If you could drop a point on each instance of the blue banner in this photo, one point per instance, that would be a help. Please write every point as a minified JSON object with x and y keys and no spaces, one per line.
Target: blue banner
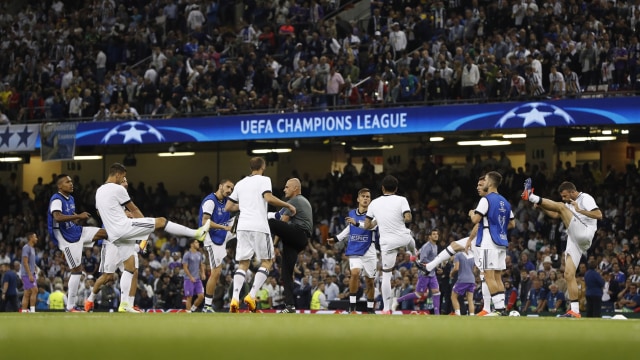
{"x":397,"y":120}
{"x":15,"y":138}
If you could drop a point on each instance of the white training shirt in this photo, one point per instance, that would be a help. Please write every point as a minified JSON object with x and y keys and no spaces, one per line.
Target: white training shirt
{"x":248,"y":194}
{"x":585,"y":202}
{"x":110,"y":198}
{"x":388,"y":211}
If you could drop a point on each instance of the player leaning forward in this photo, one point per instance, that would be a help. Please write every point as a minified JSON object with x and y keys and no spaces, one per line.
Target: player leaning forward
{"x":123,"y":232}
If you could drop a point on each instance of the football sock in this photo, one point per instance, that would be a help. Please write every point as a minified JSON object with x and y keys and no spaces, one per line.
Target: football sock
{"x":74,"y":285}
{"x":238,"y":281}
{"x":208,"y":300}
{"x":352,"y":302}
{"x":91,"y":297}
{"x":409,"y":296}
{"x":386,"y":290}
{"x":258,"y":281}
{"x":443,"y":256}
{"x":575,"y":306}
{"x":125,"y":286}
{"x":436,"y":303}
{"x":486,"y":295}
{"x":32,"y":309}
{"x":534,"y":198}
{"x":370,"y":304}
{"x":498,"y":300}
{"x":177,"y":229}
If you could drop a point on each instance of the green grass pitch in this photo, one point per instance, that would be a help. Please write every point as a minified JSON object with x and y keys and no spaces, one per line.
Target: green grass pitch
{"x":180,"y":336}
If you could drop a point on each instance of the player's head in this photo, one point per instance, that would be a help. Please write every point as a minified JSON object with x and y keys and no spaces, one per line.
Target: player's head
{"x":364,"y":197}
{"x":292,"y":188}
{"x":482,"y":186}
{"x":117,"y":172}
{"x":257,"y":163}
{"x":493,"y":179}
{"x":64,"y":183}
{"x":434,"y":235}
{"x":225,"y":187}
{"x":568,"y":191}
{"x":390,"y":183}
{"x":195,"y":244}
{"x":32,"y":238}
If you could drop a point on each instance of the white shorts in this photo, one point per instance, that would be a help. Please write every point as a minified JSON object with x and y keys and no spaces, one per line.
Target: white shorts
{"x":579,"y":238}
{"x":368,"y":262}
{"x":140,"y":230}
{"x":397,"y":242}
{"x":113,"y":256}
{"x":490,"y":259}
{"x":216,"y":253}
{"x":254,"y":242}
{"x":73,"y":251}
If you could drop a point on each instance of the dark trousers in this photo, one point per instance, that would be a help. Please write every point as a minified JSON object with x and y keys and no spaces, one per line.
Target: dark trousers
{"x":594,"y":306}
{"x":294,"y":240}
{"x":10,"y":304}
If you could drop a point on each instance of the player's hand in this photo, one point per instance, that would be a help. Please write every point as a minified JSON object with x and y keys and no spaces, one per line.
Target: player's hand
{"x":467,"y":247}
{"x":471,"y":212}
{"x":350,"y":220}
{"x":31,"y":278}
{"x":192,"y":279}
{"x":575,"y":205}
{"x":84,"y":216}
{"x":331,"y":241}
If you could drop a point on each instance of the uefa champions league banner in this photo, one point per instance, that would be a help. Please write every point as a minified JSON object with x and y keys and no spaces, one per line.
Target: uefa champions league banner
{"x":397,"y":120}
{"x":58,"y":141}
{"x":15,"y":138}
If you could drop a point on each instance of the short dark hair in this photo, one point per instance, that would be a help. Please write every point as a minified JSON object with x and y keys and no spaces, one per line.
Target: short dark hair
{"x":495,"y":178}
{"x":256,"y":163}
{"x":363,"y":190}
{"x":390,"y":183}
{"x":567,"y":185}
{"x":60,"y":177}
{"x":117,"y":168}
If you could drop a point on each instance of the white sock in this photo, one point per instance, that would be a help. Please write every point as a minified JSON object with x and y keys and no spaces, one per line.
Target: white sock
{"x":534,"y":198}
{"x":575,"y":307}
{"x":91,"y":297}
{"x":370,"y":304}
{"x":238,"y":281}
{"x":443,"y":256}
{"x":32,"y":309}
{"x":498,"y":301}
{"x":352,"y":299}
{"x":74,"y":285}
{"x":258,"y":280}
{"x":386,"y":290}
{"x":486,"y":296}
{"x":193,"y":308}
{"x":177,"y":229}
{"x":458,"y":312}
{"x":132,"y":299}
{"x":208,"y":300}
{"x":125,"y":286}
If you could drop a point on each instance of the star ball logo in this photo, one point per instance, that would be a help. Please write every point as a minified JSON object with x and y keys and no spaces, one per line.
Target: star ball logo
{"x":133,"y":132}
{"x":535,"y":114}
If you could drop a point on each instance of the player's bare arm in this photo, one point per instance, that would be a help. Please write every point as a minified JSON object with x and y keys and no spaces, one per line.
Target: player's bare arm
{"x":231,"y":206}
{"x":214,"y":225}
{"x":472,"y":236}
{"x":60,"y":217}
{"x":272,"y":200}
{"x":134,"y":210}
{"x":594,"y":214}
{"x":185,"y":266}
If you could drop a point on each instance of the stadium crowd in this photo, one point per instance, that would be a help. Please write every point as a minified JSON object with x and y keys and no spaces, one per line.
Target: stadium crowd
{"x":440,"y":198}
{"x":116,"y":60}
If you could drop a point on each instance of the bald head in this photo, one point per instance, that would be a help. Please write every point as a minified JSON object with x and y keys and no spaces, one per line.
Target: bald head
{"x":292,"y":188}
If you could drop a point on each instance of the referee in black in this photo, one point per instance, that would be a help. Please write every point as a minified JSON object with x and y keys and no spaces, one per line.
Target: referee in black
{"x":294,"y":232}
